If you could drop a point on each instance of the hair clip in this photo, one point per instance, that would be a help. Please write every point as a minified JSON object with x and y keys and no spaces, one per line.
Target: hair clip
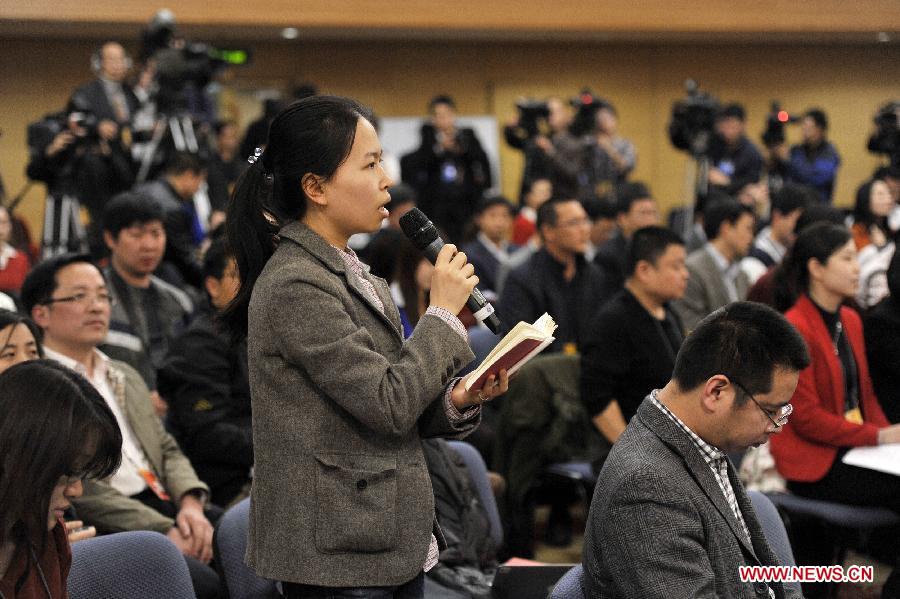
{"x":256,"y":154}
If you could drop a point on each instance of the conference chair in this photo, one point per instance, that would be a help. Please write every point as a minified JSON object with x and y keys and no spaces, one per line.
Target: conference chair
{"x":570,"y":586}
{"x":137,"y":565}
{"x":773,"y":528}
{"x":229,"y":546}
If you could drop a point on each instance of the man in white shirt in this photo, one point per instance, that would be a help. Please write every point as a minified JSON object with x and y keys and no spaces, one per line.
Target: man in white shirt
{"x":155,"y":488}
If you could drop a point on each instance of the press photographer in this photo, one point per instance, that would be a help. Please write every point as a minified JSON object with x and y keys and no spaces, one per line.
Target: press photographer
{"x":814,"y":161}
{"x":541,"y":132}
{"x":886,"y":139}
{"x":608,"y":157}
{"x":734,"y":161}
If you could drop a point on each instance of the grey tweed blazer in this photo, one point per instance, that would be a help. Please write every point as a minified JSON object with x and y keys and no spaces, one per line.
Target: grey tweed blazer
{"x":341,"y":495}
{"x":706,"y":291}
{"x":660,"y":527}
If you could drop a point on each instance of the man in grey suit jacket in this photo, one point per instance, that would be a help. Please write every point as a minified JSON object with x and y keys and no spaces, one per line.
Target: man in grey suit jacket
{"x":669,"y":517}
{"x":716,"y":276}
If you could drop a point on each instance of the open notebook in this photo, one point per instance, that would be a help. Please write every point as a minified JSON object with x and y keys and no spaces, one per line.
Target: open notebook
{"x":522,"y":343}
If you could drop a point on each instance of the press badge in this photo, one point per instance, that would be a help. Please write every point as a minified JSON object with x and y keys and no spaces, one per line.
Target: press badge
{"x":154,"y":484}
{"x":854,"y":416}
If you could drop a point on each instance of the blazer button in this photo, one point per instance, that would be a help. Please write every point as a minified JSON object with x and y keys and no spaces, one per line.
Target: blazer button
{"x":361,"y":484}
{"x":761,"y":589}
{"x":449,"y":371}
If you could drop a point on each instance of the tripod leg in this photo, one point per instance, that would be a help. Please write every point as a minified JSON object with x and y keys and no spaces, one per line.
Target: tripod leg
{"x":48,"y":235}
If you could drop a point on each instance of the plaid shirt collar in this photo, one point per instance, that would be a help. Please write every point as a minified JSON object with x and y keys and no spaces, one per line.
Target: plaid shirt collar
{"x":710,"y":453}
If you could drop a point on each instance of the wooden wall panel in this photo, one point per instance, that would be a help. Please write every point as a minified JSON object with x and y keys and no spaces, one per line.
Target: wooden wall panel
{"x":398,"y":78}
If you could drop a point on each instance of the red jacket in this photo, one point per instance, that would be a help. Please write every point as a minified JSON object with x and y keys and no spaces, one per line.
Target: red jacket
{"x":805,"y":450}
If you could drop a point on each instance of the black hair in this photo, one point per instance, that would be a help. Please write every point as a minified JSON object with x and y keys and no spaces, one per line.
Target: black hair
{"x":223,"y":124}
{"x":599,"y":208}
{"x":312,"y":136}
{"x":8,"y":317}
{"x":546,"y":213}
{"x":818,"y":241}
{"x":181,"y":162}
{"x":734,"y":110}
{"x":216,"y":259}
{"x":128,"y":209}
{"x":722,"y":211}
{"x":401,"y":193}
{"x":41,"y":281}
{"x":745,"y":341}
{"x":862,"y":209}
{"x":791,"y":196}
{"x":490,"y":201}
{"x":50,"y":416}
{"x":818,"y":212}
{"x":304,"y":90}
{"x":818,"y":116}
{"x":648,"y":244}
{"x":629,"y":193}
{"x":893,"y":277}
{"x":441,"y":99}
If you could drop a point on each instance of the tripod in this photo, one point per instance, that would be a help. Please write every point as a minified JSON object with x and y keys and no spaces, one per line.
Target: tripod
{"x":62,"y":231}
{"x":181,"y":129}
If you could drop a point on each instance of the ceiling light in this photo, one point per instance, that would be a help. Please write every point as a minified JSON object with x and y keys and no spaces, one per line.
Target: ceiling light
{"x":883,"y":36}
{"x":290,"y":33}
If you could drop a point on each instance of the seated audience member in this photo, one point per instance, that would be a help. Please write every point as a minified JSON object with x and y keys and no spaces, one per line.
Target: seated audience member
{"x":525,"y":225}
{"x":155,"y":488}
{"x":602,"y":213}
{"x":490,"y":251}
{"x":14,"y":264}
{"x":20,"y":339}
{"x":773,"y":241}
{"x":882,"y":332}
{"x":763,"y":291}
{"x":632,"y":342}
{"x":147,"y":313}
{"x":835,"y":404}
{"x":635,"y":209}
{"x":204,"y":377}
{"x":55,"y":431}
{"x":556,"y":279}
{"x":669,"y":516}
{"x":174,"y":191}
{"x":873,"y":237}
{"x":716,"y":275}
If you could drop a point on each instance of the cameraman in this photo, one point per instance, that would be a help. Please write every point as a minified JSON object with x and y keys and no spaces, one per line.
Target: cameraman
{"x":449,"y":171}
{"x":608,"y":156}
{"x":734,"y":161}
{"x":815,"y":161}
{"x":557,"y":157}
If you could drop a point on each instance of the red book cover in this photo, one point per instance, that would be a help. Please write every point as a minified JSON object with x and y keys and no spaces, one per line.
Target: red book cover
{"x":508,"y":360}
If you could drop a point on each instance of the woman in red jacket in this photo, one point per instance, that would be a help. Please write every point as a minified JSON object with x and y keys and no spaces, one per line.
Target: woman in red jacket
{"x":835,"y":407}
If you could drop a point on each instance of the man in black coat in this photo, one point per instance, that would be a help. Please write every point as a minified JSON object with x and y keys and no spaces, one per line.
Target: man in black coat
{"x":632,"y":342}
{"x":635,"y":208}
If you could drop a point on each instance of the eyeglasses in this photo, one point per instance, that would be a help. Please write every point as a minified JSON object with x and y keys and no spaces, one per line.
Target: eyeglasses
{"x":575,"y":222}
{"x":781,"y":417}
{"x":83,"y":299}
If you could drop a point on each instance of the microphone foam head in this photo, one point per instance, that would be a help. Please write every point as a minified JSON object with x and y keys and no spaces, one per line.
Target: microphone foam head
{"x":418,"y":228}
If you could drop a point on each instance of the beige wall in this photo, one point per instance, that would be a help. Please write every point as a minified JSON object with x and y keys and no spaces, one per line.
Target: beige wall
{"x":397,"y":78}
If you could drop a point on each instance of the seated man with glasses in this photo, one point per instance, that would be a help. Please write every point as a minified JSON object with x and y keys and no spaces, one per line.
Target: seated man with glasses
{"x":557,"y":279}
{"x":669,"y":516}
{"x":155,"y":488}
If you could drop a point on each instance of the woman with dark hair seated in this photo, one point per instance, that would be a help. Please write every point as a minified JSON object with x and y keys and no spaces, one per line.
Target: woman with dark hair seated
{"x":20,"y":339}
{"x":55,"y":430}
{"x":835,"y":407}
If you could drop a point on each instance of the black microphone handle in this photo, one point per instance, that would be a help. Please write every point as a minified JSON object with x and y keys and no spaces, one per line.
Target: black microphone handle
{"x":479,"y":306}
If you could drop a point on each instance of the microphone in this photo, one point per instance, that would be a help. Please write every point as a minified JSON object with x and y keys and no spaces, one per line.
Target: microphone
{"x":425,"y":236}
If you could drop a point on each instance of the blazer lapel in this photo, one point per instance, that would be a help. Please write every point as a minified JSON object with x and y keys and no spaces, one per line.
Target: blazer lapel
{"x":675,"y":438}
{"x":719,"y":295}
{"x":355,"y":283}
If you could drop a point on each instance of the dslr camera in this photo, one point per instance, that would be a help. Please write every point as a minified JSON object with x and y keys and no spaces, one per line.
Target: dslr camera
{"x":692,"y":126}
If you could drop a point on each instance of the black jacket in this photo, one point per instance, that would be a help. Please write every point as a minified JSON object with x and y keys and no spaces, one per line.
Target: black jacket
{"x":882,"y":330}
{"x":538,"y":286}
{"x":610,"y":258}
{"x":205,"y":380}
{"x":92,"y":97}
{"x":743,"y":163}
{"x":627,"y":353}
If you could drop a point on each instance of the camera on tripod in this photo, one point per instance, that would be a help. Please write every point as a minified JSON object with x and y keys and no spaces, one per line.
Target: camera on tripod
{"x":774,"y":134}
{"x":693,"y":122}
{"x":586,"y":106}
{"x":886,"y":139}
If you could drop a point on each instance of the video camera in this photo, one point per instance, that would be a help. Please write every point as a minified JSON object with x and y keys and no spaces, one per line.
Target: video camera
{"x":693,"y":121}
{"x":586,"y":105}
{"x":531,"y":113}
{"x":82,"y":123}
{"x":886,"y":139}
{"x":775,"y":122}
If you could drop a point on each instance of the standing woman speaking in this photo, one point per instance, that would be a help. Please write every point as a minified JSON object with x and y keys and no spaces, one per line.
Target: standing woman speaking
{"x":342,"y":504}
